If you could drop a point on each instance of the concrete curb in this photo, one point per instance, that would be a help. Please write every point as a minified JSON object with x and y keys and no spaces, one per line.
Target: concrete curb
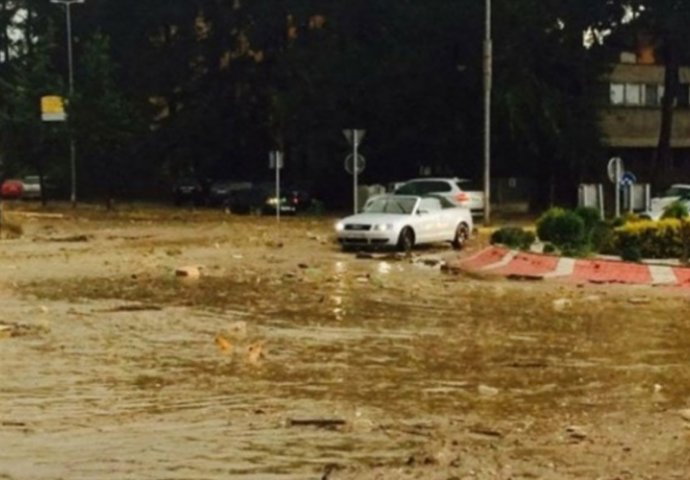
{"x":515,"y":264}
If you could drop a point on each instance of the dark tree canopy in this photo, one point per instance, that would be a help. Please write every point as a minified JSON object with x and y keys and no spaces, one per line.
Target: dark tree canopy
{"x":171,"y":87}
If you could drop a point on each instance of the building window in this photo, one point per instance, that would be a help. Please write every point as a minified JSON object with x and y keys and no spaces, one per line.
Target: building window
{"x":633,"y":94}
{"x":684,"y":95}
{"x":617,"y":94}
{"x":652,"y":97}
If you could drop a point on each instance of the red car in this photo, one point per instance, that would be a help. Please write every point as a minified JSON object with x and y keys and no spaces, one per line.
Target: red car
{"x":11,"y":189}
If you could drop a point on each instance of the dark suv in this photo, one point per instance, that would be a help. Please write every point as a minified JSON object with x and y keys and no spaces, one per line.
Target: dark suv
{"x":190,"y":190}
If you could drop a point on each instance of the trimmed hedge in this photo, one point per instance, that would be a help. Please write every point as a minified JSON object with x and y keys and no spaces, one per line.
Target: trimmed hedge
{"x":667,"y":238}
{"x":564,"y":229}
{"x":675,"y":210}
{"x":513,"y":237}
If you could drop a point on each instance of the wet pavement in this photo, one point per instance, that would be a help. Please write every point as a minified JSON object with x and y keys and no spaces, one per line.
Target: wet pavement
{"x":298,"y":361}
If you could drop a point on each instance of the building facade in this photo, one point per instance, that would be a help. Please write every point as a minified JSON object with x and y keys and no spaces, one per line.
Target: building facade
{"x":631,"y":120}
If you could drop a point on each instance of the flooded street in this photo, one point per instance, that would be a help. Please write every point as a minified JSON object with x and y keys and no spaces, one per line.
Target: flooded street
{"x":288,"y":359}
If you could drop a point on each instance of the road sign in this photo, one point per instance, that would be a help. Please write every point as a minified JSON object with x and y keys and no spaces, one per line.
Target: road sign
{"x":53,"y":109}
{"x":350,"y":135}
{"x":628,"y":178}
{"x":275,"y":158}
{"x":350,"y":164}
{"x":615,"y":169}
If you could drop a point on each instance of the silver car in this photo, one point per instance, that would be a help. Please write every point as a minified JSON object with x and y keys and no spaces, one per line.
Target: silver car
{"x":404,"y":221}
{"x":679,"y":192}
{"x":459,"y":191}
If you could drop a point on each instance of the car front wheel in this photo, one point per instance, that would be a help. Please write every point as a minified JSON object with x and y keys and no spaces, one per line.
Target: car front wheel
{"x":462,"y":234}
{"x":406,"y":240}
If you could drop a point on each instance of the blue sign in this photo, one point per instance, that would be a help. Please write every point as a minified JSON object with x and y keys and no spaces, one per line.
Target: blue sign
{"x":628,"y":178}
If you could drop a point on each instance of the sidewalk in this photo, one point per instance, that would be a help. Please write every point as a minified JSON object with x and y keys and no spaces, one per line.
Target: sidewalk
{"x":515,"y":264}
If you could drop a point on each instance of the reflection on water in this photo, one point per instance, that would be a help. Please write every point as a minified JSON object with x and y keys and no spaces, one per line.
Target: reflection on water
{"x":148,"y":394}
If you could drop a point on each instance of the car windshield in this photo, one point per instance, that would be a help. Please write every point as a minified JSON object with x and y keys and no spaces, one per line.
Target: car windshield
{"x":395,"y":205}
{"x":423,"y":187}
{"x":677,"y":191}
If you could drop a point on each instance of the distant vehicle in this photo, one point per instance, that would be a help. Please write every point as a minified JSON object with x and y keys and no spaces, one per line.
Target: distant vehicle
{"x":404,"y":221}
{"x":222,"y":192}
{"x":31,"y":187}
{"x":261,"y":198}
{"x":292,"y":201}
{"x":460,"y":191}
{"x":679,"y":192}
{"x":190,"y":190}
{"x":11,"y":189}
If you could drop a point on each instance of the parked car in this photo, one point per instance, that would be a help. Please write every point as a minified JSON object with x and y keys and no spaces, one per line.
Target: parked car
{"x":31,"y":187}
{"x":222,"y":191}
{"x":11,"y":189}
{"x":261,"y":198}
{"x":292,"y":201}
{"x":679,"y":192}
{"x":404,"y":221}
{"x":459,"y":191}
{"x":190,"y":190}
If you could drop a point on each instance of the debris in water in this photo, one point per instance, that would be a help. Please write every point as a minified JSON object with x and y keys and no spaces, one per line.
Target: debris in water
{"x":255,"y":352}
{"x":189,"y":272}
{"x":224,"y":345}
{"x":329,"y":423}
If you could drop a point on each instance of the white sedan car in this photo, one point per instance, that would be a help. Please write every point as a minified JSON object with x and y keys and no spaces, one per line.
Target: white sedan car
{"x":404,"y":221}
{"x":679,"y":192}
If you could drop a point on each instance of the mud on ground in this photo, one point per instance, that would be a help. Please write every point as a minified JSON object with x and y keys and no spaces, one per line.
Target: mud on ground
{"x":289,"y":359}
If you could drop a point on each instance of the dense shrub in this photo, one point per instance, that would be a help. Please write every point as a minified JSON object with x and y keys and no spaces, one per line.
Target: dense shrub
{"x":564,"y":229}
{"x":602,"y":238}
{"x":513,"y":237}
{"x":662,"y":239}
{"x":676,"y":210}
{"x":545,"y":223}
{"x":591,"y":216}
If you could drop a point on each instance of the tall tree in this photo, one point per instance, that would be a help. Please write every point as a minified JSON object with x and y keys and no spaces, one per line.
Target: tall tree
{"x":104,"y":123}
{"x":27,"y":143}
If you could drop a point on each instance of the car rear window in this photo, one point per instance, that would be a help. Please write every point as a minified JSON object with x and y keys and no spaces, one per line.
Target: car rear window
{"x":422,"y":188}
{"x":470,"y":185}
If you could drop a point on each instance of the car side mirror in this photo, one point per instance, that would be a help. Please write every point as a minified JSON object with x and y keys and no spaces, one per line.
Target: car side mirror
{"x":422,"y":212}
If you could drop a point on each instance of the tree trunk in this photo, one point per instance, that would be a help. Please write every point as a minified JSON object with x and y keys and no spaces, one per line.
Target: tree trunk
{"x":664,"y":154}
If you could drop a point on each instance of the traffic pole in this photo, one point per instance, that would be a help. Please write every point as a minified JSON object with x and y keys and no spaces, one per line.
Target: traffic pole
{"x":279,"y":161}
{"x":355,"y":170}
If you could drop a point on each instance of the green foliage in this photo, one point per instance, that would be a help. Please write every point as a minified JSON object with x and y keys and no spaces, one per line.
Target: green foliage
{"x":662,"y":239}
{"x":513,"y":237}
{"x":590,"y":216}
{"x":545,"y":223}
{"x":565,"y":230}
{"x":104,"y":122}
{"x":676,"y":210}
{"x":631,"y":253}
{"x":602,"y":238}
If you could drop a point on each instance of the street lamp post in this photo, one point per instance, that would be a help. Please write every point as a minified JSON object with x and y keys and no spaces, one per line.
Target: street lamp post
{"x":488,"y":74}
{"x":70,"y":68}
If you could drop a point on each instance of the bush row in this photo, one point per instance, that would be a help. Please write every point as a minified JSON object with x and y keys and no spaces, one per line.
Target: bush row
{"x":581,"y":232}
{"x":667,"y":238}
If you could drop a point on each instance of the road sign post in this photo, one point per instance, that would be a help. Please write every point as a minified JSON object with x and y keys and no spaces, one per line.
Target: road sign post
{"x":355,"y":136}
{"x":615,"y":172}
{"x":276,"y":163}
{"x":628,"y":180}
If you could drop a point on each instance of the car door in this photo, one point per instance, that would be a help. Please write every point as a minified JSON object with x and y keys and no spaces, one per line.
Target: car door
{"x":430,"y":220}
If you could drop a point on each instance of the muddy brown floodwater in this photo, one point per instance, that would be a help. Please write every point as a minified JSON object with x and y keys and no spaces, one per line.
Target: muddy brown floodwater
{"x":288,"y":359}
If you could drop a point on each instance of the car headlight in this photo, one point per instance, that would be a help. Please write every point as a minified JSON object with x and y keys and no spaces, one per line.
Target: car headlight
{"x":339,"y":227}
{"x":383,"y":227}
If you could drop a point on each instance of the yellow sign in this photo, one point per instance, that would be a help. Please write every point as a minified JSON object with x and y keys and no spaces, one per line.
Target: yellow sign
{"x":53,"y":109}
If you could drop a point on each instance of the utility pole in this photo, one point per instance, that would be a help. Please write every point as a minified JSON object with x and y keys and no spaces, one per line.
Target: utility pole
{"x":70,"y":67}
{"x":488,"y":74}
